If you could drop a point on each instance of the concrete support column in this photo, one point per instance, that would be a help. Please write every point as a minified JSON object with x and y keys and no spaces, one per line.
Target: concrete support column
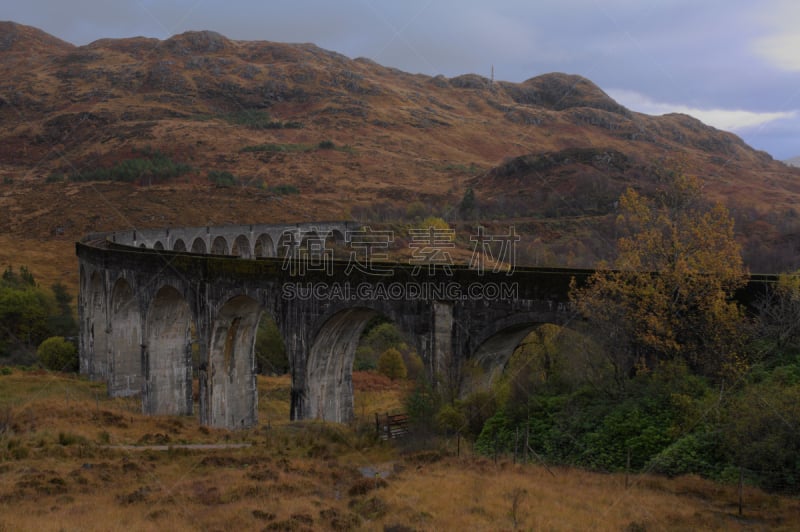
{"x":442,"y":343}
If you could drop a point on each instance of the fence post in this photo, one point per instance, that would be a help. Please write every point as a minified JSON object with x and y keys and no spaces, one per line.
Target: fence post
{"x":627,"y":467}
{"x":527,"y":438}
{"x":741,"y":489}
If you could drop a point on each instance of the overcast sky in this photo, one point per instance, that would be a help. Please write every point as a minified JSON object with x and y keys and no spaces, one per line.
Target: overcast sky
{"x":734,"y":64}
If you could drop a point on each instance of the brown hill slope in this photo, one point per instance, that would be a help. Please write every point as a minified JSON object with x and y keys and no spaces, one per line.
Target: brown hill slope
{"x":352,"y":137}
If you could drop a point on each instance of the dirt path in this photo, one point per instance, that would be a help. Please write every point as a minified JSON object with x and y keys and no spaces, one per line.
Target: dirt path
{"x":190,"y":446}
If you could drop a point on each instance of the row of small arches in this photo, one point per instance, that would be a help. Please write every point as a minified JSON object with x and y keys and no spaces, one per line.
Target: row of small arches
{"x":263,"y":246}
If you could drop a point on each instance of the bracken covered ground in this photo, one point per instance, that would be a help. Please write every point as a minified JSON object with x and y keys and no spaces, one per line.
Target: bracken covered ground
{"x":61,"y":469}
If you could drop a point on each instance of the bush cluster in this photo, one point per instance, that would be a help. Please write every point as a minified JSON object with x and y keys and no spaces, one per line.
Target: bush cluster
{"x":153,"y":167}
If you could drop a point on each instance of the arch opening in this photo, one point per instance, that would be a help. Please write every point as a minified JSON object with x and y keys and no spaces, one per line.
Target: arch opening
{"x":286,"y":244}
{"x":199,"y":245}
{"x":219,"y":246}
{"x":264,"y":246}
{"x":489,"y":360}
{"x":241,"y":247}
{"x":270,"y":349}
{"x":311,"y":239}
{"x":329,"y":391}
{"x":179,"y":245}
{"x":231,"y":390}
{"x":125,"y":377}
{"x":158,"y":245}
{"x":168,"y":352}
{"x":531,"y":355}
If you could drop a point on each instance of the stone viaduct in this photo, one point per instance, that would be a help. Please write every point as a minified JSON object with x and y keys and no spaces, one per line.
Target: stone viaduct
{"x":160,"y":307}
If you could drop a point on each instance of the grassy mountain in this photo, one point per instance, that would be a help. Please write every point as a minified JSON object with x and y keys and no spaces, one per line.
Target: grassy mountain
{"x":199,"y":128}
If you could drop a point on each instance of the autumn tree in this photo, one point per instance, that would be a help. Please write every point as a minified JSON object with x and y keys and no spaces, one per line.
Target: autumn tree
{"x":777,"y":328}
{"x":668,"y":293}
{"x":391,"y":364}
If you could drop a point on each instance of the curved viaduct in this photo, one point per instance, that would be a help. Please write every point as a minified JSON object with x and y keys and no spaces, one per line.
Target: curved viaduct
{"x":159,"y":307}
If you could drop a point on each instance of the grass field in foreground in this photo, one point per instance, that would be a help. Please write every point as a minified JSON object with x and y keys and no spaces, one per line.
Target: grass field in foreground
{"x":59,"y":470}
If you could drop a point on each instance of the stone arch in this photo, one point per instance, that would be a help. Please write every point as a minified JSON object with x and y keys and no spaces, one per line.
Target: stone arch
{"x":328,"y":387}
{"x":335,"y":241}
{"x":311,"y":238}
{"x":241,"y":247}
{"x":264,"y":246}
{"x":199,"y":245}
{"x":494,"y":347}
{"x":336,"y":235}
{"x":232,"y":396}
{"x":97,"y":328}
{"x":125,"y":359}
{"x":168,"y":355}
{"x":142,"y":245}
{"x":179,"y":245}
{"x":285,"y":243}
{"x":219,"y":246}
{"x":158,"y":245}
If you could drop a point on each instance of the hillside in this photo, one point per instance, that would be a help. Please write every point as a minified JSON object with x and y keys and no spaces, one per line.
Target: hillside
{"x":352,"y":138}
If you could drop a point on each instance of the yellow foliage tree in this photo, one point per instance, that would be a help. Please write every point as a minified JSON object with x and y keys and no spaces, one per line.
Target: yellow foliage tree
{"x":391,"y":364}
{"x":668,"y":294}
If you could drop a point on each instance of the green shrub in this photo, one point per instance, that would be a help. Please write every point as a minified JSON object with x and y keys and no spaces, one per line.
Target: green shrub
{"x":258,"y":119}
{"x":277,"y":148}
{"x":421,"y":404}
{"x":222,"y":178}
{"x":692,"y":453}
{"x":326,"y":145}
{"x":58,"y":354}
{"x":451,"y":419}
{"x":154,"y":167}
{"x":284,"y":190}
{"x":269,"y":350}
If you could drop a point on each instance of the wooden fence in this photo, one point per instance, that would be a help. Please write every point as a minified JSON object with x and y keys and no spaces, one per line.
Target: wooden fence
{"x":391,"y":426}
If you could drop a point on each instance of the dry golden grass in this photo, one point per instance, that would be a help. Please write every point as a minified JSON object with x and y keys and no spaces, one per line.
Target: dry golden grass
{"x":59,"y":470}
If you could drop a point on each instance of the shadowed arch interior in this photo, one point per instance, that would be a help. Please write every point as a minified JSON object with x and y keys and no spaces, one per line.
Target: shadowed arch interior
{"x":158,"y":245}
{"x":491,"y":357}
{"x":199,"y":245}
{"x":311,"y":239}
{"x":241,"y":247}
{"x":168,"y":370}
{"x":219,"y":246}
{"x":125,"y":342}
{"x":329,"y":372}
{"x":179,"y":245}
{"x":232,"y":392}
{"x":285,"y":244}
{"x":264,"y":246}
